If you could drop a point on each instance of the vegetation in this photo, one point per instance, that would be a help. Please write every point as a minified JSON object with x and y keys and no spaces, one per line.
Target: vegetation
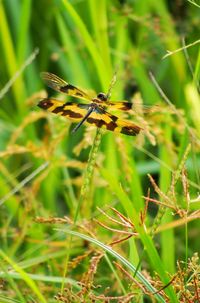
{"x":97,"y":216}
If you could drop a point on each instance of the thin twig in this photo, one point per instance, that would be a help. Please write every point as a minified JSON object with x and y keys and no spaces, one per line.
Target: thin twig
{"x":166,"y":99}
{"x":24,"y":182}
{"x":169,"y":53}
{"x":28,"y":61}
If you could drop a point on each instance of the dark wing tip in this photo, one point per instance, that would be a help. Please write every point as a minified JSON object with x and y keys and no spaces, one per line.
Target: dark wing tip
{"x":45,"y":103}
{"x":131,"y":131}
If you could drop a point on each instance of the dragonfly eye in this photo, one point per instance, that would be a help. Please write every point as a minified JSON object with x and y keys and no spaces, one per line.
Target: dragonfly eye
{"x":102,"y":97}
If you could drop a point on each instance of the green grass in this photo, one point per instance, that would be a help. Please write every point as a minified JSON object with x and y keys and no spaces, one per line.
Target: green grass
{"x":70,"y":202}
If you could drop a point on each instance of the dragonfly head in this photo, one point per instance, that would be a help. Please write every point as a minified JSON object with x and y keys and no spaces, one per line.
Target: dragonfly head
{"x":102,"y":97}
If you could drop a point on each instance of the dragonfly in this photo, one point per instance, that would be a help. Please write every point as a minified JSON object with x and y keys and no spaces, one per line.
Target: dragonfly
{"x":95,"y":112}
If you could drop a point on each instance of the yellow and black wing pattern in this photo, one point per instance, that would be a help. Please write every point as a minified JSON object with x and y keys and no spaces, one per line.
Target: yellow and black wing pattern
{"x":99,"y":117}
{"x":128,"y":106}
{"x":62,"y":86}
{"x":92,"y":113}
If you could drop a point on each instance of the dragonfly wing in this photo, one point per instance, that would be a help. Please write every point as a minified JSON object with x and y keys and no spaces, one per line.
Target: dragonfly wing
{"x":120,"y":105}
{"x":103,"y":119}
{"x":72,"y":111}
{"x":127,"y":106}
{"x":62,"y":86}
{"x":99,"y":117}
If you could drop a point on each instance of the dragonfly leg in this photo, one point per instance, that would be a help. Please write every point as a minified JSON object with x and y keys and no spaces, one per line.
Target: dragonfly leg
{"x":90,"y":110}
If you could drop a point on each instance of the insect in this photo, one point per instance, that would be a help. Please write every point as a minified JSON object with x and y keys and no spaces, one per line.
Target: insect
{"x":94,"y":113}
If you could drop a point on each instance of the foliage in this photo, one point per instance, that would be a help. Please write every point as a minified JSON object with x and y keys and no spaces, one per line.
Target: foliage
{"x":97,"y":216}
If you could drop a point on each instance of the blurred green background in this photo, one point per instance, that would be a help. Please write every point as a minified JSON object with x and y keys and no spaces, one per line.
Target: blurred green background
{"x":46,"y":172}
